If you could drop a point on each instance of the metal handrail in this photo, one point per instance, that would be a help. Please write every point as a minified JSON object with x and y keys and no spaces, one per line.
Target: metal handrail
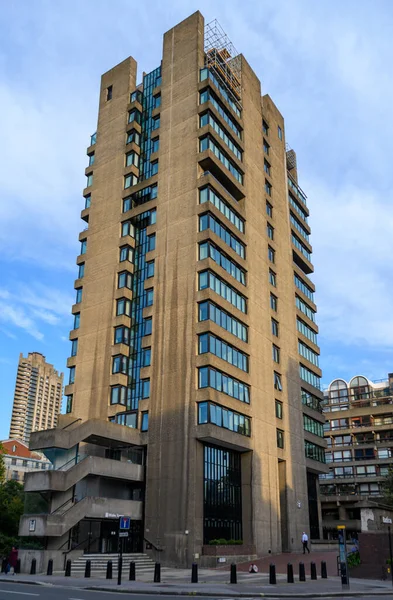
{"x":154,"y":546}
{"x":69,"y":424}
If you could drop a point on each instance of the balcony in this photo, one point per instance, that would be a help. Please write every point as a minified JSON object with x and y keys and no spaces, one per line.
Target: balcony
{"x":296,"y":190}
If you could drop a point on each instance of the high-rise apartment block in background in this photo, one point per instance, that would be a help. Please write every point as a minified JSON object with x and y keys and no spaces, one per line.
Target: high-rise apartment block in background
{"x":38,"y":396}
{"x":359,"y":435}
{"x":194,"y":346}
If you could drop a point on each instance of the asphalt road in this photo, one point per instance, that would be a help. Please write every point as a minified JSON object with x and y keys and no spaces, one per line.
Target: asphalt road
{"x":10,"y":591}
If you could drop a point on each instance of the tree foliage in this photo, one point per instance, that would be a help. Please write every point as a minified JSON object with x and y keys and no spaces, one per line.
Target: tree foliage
{"x":2,"y":463}
{"x":11,"y":507}
{"x":387,"y":488}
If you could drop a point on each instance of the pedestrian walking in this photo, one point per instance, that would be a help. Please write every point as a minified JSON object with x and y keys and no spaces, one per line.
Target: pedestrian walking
{"x":12,"y":560}
{"x":305,"y":543}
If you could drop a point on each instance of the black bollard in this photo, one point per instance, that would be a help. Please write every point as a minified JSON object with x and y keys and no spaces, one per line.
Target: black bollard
{"x":302,"y":572}
{"x":132,"y":572}
{"x":272,"y":574}
{"x":68,"y":569}
{"x":3,"y":565}
{"x":290,"y":573}
{"x":109,"y":569}
{"x":119,"y":569}
{"x":194,"y":573}
{"x":233,"y":578}
{"x":344,"y":575}
{"x":49,"y":570}
{"x":313,"y":571}
{"x":17,"y":568}
{"x":157,"y":573}
{"x":88,"y":568}
{"x":323,"y":570}
{"x":33,"y":567}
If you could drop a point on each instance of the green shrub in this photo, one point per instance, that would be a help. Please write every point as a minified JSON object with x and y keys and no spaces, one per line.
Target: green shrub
{"x":353,"y":559}
{"x":224,"y":542}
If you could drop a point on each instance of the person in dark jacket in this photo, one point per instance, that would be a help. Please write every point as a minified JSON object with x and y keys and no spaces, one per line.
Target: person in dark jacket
{"x":12,"y":560}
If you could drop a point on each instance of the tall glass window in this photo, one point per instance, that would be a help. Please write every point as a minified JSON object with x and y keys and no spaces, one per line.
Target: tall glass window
{"x":149,"y":103}
{"x":207,"y":194}
{"x":303,"y":287}
{"x":210,"y":250}
{"x":210,"y":311}
{"x":211,"y":343}
{"x":209,"y":377}
{"x":209,"y":221}
{"x":208,"y":143}
{"x":209,"y":412}
{"x":222,"y":494}
{"x":208,"y":119}
{"x":208,"y":279}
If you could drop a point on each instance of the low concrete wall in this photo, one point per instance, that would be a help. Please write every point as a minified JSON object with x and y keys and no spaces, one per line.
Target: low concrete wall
{"x":324,"y":546}
{"x":42,"y":557}
{"x":212,"y":562}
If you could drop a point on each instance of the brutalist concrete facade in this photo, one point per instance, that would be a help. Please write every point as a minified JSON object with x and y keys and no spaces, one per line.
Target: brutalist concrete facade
{"x":208,"y":216}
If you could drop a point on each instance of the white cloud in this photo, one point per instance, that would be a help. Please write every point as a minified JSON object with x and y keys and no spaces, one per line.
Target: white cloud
{"x":18,"y":318}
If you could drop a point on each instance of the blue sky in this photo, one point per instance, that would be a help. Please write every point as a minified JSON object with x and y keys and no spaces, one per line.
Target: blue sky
{"x":327,"y":66}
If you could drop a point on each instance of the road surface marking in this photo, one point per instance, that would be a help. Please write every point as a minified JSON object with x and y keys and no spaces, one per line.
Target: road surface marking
{"x":21,"y":593}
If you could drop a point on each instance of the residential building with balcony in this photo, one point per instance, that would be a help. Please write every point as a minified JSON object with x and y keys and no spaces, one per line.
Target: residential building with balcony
{"x":37,"y":398}
{"x":359,"y":436}
{"x":19,"y":460}
{"x":193,"y":398}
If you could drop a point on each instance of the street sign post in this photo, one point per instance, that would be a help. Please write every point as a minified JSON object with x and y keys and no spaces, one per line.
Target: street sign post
{"x":342,"y":549}
{"x":124,"y":527}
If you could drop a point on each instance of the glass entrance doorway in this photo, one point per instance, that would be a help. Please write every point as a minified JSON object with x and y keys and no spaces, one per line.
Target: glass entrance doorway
{"x":102,"y":536}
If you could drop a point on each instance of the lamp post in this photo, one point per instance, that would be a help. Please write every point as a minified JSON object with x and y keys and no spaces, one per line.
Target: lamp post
{"x":390,"y":553}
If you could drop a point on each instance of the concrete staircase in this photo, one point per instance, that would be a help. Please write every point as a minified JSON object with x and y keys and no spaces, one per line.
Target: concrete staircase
{"x":143,"y":564}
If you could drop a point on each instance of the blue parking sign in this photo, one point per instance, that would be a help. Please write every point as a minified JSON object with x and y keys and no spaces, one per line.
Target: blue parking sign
{"x":124,"y":523}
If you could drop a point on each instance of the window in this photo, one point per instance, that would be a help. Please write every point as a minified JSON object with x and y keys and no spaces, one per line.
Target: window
{"x":303,"y":287}
{"x":89,"y":180}
{"x":91,"y":159}
{"x":71,"y":378}
{"x":124,"y":280}
{"x":207,"y":143}
{"x":130,"y":180}
{"x":270,"y":231}
{"x":123,"y":307}
{"x":210,"y":311}
{"x":277,"y":381}
{"x":126,"y":253}
{"x":119,"y":364}
{"x":208,"y":119}
{"x":93,"y":139}
{"x":215,"y":345}
{"x":134,"y":115}
{"x":208,"y":279}
{"x":303,"y":232}
{"x":210,"y":250}
{"x":132,"y":158}
{"x":305,"y":309}
{"x":78,"y":298}
{"x":275,"y":327}
{"x":265,"y":127}
{"x":209,"y":377}
{"x":81,"y":270}
{"x":87,"y":200}
{"x":280,"y":438}
{"x":122,"y":335}
{"x":154,"y":167}
{"x":136,"y":96}
{"x":156,"y":122}
{"x":109,"y":91}
{"x":266,"y":147}
{"x":209,"y":221}
{"x":156,"y":101}
{"x":266,"y":167}
{"x":147,"y":326}
{"x":278,"y":409}
{"x":209,"y":412}
{"x":119,"y":394}
{"x":69,"y":403}
{"x":312,"y":401}
{"x":74,"y":347}
{"x":269,"y":209}
{"x":127,"y":228}
{"x":155,"y":144}
{"x":309,"y":376}
{"x":308,"y":353}
{"x":297,"y":207}
{"x":279,"y":131}
{"x":149,"y":297}
{"x":77,"y":319}
{"x":133,"y":137}
{"x":146,"y":357}
{"x":300,"y":246}
{"x":145,"y":388}
{"x":306,"y":331}
{"x":314,"y":427}
{"x":273,"y":302}
{"x":83,"y":246}
{"x":314,"y":452}
{"x":150,"y":269}
{"x":208,"y":95}
{"x":272,"y":278}
{"x":207,"y":194}
{"x":276,"y":353}
{"x":145,"y":421}
{"x":151,"y":242}
{"x":268,"y":188}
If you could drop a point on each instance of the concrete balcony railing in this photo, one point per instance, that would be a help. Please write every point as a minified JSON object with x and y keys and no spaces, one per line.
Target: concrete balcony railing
{"x":61,"y":480}
{"x":58,"y":523}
